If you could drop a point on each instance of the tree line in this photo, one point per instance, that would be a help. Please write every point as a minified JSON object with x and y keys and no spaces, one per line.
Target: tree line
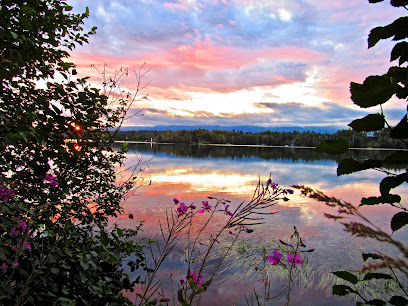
{"x":379,"y":139}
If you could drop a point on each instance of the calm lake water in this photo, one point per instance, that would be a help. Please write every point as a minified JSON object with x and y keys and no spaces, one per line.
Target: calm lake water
{"x":191,"y":173}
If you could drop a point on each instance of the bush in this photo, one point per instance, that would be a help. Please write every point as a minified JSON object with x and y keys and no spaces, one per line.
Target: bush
{"x":57,"y":182}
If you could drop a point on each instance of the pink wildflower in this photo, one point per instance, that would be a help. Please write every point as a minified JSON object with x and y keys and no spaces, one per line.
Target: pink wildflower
{"x":22,"y":225}
{"x":5,"y":193}
{"x":4,"y":267}
{"x":196,"y":280}
{"x":181,"y":210}
{"x":227,"y":211}
{"x":51,"y":179}
{"x":14,"y":232}
{"x":275,"y":259}
{"x":206,"y":207}
{"x":272,"y":184}
{"x":296,"y":260}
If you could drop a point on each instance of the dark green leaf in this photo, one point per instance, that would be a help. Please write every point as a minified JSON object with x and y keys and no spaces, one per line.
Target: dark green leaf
{"x":15,"y":35}
{"x":400,"y":131}
{"x":398,"y":74}
{"x":369,"y":276}
{"x":55,"y":270}
{"x":25,"y":23}
{"x":349,"y":165}
{"x":191,"y":282}
{"x":389,"y":198}
{"x":164,"y":300}
{"x":372,"y":122}
{"x":376,"y":89}
{"x":399,"y":220}
{"x":398,"y":301}
{"x":68,"y":8}
{"x":376,"y":302}
{"x":200,"y":290}
{"x":84,"y":265}
{"x":398,"y":3}
{"x":26,"y":10}
{"x":375,"y":1}
{"x":207,"y":282}
{"x":346,"y":166}
{"x":104,"y":239}
{"x":180,"y":295}
{"x":366,"y":256}
{"x":347,"y":276}
{"x":391,"y":182}
{"x":23,"y":135}
{"x":336,"y":146}
{"x":397,"y":158}
{"x":401,"y":92}
{"x":342,"y":290}
{"x":396,"y":29}
{"x":400,"y":50}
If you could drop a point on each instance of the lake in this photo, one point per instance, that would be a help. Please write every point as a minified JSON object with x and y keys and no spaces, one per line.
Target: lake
{"x":192,"y":173}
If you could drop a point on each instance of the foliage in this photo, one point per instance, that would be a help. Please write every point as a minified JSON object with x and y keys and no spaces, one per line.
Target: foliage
{"x":377,"y":90}
{"x":395,"y":269}
{"x":58,"y":180}
{"x":378,"y":139}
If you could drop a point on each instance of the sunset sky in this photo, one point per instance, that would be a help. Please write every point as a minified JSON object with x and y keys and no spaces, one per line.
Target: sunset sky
{"x":240,"y":62}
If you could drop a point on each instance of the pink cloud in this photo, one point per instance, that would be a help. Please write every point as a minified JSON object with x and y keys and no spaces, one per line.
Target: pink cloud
{"x":204,"y":55}
{"x":200,"y":67}
{"x":178,"y":6}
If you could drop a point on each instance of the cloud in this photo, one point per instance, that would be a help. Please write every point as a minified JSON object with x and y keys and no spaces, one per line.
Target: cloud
{"x":227,"y":46}
{"x":176,"y":5}
{"x":271,"y":115}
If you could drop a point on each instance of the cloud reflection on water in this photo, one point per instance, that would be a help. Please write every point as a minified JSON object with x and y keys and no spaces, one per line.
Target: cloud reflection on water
{"x":193,"y":179}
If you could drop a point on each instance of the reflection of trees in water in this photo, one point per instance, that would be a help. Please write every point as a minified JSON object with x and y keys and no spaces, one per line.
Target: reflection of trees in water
{"x":265,"y":153}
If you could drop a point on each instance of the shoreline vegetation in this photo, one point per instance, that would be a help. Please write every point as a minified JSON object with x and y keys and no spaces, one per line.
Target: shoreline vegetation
{"x":269,"y":139}
{"x":254,"y":146}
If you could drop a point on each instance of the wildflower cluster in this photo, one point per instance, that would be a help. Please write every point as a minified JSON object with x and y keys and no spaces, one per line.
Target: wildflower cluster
{"x":5,"y":193}
{"x":183,"y":208}
{"x":193,"y":280}
{"x":19,"y":235}
{"x":240,"y":220}
{"x":293,"y":260}
{"x":51,"y":180}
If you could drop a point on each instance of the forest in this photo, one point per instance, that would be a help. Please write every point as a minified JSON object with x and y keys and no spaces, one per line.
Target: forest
{"x":379,"y":139}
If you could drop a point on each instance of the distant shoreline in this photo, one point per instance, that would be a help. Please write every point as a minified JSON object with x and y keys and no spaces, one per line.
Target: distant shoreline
{"x":254,"y":146}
